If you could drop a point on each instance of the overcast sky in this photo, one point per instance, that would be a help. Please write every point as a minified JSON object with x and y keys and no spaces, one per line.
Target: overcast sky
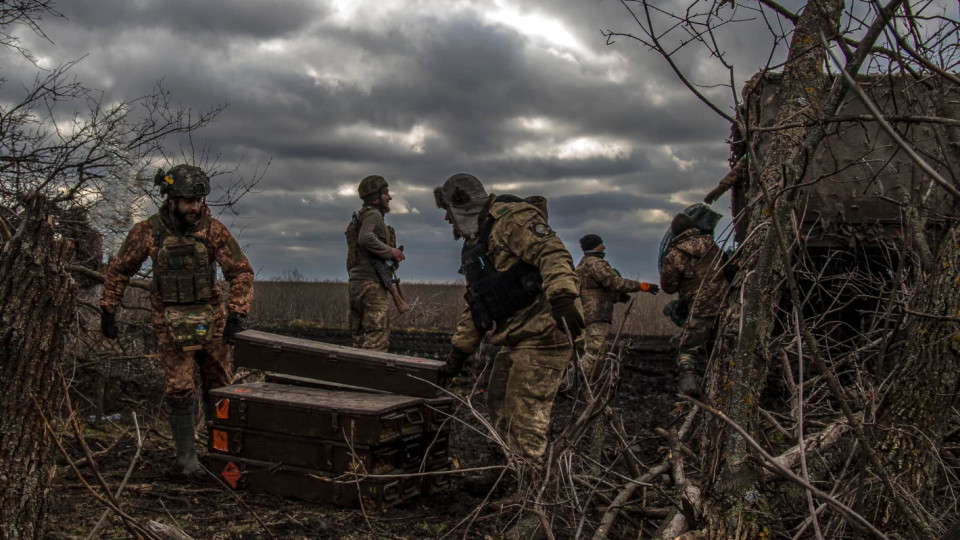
{"x":524,"y":94}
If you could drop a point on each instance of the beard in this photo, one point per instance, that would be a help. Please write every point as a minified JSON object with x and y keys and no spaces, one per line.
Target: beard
{"x":187,"y":220}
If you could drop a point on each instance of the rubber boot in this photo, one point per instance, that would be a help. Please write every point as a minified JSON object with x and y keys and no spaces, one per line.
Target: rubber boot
{"x":181,"y":412}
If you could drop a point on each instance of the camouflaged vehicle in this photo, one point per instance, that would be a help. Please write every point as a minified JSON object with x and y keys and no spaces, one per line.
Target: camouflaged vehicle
{"x":858,"y":175}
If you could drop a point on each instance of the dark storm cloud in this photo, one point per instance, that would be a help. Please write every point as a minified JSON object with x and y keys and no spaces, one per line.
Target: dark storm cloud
{"x":415,"y":95}
{"x":188,"y":19}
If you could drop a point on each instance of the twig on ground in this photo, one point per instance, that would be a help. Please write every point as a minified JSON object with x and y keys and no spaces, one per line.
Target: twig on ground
{"x":126,"y":477}
{"x":128,"y":522}
{"x":249,"y":510}
{"x":770,"y":461}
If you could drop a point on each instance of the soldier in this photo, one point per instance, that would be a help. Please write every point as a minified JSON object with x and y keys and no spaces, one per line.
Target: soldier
{"x":692,"y":267}
{"x":522,"y":289}
{"x":368,"y":237}
{"x":600,"y":288}
{"x":192,"y":322}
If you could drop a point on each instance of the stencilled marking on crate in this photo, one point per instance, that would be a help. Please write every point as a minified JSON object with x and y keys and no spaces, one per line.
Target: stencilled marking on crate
{"x":231,"y":474}
{"x":221,"y":441}
{"x":223,"y":409}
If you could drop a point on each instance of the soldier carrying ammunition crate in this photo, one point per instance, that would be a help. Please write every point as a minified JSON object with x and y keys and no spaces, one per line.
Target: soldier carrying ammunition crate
{"x":370,"y":241}
{"x":193,"y":323}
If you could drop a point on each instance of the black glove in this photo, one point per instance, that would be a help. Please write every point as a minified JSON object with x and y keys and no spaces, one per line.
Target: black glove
{"x":651,"y":288}
{"x":234,"y":325}
{"x":108,"y":324}
{"x":564,"y":308}
{"x":454,"y":364}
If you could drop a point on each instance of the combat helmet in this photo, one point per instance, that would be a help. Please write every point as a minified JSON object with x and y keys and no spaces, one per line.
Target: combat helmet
{"x":372,"y":185}
{"x":183,"y":181}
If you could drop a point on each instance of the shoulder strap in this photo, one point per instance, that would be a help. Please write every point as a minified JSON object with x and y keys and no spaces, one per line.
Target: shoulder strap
{"x":159,"y":231}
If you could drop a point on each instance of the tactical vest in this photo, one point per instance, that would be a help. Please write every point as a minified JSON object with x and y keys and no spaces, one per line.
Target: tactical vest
{"x":352,"y":233}
{"x":493,"y":295}
{"x":182,"y":272}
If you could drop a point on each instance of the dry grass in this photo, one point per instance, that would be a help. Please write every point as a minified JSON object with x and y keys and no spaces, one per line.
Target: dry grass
{"x":436,"y":306}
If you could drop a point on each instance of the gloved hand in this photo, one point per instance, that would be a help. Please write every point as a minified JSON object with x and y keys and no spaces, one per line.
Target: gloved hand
{"x":564,"y":308}
{"x":689,"y":384}
{"x":234,"y":325}
{"x":651,"y":288}
{"x":454,"y":364}
{"x":108,"y":324}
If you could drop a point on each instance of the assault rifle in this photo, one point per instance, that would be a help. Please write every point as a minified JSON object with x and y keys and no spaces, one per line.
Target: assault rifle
{"x":390,"y":282}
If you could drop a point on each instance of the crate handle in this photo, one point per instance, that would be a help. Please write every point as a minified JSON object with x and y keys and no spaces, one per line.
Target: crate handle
{"x":416,"y":413}
{"x":391,"y":491}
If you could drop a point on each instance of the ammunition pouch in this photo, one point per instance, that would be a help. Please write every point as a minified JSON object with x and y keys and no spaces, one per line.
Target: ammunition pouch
{"x":182,"y":272}
{"x":189,"y":325}
{"x":493,"y":295}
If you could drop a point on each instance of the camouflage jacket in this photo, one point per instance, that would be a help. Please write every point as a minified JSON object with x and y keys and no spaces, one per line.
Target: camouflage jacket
{"x":375,"y":239}
{"x":222,"y":248}
{"x":692,"y":268}
{"x":520,"y":233}
{"x":601,"y":287}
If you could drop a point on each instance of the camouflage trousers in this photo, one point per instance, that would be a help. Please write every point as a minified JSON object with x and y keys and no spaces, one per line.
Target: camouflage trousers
{"x":178,"y":365}
{"x":696,"y":340}
{"x":369,"y":315}
{"x":523,"y":385}
{"x":594,"y":339}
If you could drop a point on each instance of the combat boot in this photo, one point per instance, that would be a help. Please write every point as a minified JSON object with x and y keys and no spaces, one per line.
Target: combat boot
{"x":689,"y":383}
{"x":182,"y":412}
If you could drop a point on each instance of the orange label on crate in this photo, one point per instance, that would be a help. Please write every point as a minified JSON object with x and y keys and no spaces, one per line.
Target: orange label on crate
{"x":243,"y":390}
{"x":231,"y":473}
{"x":220,"y":441}
{"x":223,"y":409}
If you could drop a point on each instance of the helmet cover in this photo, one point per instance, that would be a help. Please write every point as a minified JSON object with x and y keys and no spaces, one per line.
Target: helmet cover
{"x":183,"y":181}
{"x":372,"y":185}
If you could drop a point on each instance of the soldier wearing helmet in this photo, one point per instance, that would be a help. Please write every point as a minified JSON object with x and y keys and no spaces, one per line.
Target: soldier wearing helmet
{"x":194,"y":323}
{"x":369,"y":237}
{"x":693,"y":268}
{"x":522,"y":291}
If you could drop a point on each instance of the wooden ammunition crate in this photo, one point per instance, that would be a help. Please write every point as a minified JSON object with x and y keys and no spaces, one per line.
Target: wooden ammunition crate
{"x":338,"y":415}
{"x":312,"y":485}
{"x":393,"y":373}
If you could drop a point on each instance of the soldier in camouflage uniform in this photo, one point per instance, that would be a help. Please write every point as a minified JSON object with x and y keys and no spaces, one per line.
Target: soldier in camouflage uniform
{"x":600,"y":288}
{"x":368,"y":237}
{"x":522,"y":290}
{"x":692,"y":267}
{"x":191,"y":319}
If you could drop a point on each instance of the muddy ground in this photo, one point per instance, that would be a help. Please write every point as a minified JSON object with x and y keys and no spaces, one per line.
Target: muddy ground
{"x":207,"y":509}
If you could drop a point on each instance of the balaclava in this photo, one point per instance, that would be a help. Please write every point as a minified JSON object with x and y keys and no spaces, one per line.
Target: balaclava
{"x":464,"y":197}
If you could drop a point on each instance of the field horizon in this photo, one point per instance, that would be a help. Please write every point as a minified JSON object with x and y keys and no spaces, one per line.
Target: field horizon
{"x":436,"y":306}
